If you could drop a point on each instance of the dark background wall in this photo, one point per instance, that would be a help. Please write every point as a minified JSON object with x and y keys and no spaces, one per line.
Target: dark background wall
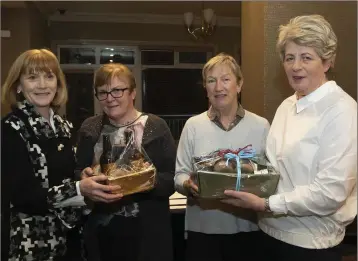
{"x":266,"y":84}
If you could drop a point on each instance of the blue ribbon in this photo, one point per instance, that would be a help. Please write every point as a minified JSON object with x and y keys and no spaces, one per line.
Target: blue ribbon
{"x":246,"y":153}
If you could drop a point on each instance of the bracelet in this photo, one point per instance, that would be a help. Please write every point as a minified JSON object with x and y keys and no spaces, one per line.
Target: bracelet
{"x":267,"y":205}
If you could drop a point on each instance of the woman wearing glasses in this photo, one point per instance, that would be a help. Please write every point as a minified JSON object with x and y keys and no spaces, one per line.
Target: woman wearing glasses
{"x":125,"y":230}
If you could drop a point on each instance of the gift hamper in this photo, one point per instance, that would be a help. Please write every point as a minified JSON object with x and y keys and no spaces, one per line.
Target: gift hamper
{"x":240,"y":170}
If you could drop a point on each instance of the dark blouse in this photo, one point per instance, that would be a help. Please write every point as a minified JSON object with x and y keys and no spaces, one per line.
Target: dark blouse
{"x":154,"y":218}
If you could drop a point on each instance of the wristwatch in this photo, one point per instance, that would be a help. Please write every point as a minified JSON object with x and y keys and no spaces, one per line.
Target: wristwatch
{"x":267,"y":205}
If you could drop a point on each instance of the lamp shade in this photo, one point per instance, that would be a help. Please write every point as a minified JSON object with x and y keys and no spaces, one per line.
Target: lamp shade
{"x":213,"y":20}
{"x":208,"y":15}
{"x":188,"y":18}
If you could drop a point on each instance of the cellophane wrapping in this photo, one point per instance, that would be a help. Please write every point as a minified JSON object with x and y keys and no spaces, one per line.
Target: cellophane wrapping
{"x":217,"y":172}
{"x":131,"y":169}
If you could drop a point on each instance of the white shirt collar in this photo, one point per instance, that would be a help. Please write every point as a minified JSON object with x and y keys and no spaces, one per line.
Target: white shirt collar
{"x":314,"y":96}
{"x":51,"y":122}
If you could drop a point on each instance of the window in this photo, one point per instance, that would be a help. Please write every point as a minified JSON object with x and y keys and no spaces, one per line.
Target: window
{"x":116,"y":55}
{"x":77,"y":56}
{"x":157,"y":57}
{"x":172,"y":91}
{"x":87,"y":56}
{"x":168,"y":79}
{"x":193,"y":57}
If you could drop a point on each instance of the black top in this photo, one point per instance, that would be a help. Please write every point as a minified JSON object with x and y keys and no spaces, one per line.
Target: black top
{"x":158,"y":143}
{"x":37,"y":167}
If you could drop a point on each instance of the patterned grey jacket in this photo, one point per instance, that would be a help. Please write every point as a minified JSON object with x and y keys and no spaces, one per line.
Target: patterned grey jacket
{"x":37,"y":172}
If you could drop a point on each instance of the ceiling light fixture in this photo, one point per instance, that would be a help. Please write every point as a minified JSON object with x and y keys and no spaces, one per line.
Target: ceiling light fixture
{"x":208,"y":22}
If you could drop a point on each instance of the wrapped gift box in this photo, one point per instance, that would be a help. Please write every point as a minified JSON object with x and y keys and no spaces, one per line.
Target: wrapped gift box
{"x":213,"y":184}
{"x":217,"y":172}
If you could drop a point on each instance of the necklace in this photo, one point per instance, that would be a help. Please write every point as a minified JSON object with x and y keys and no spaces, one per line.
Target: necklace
{"x":127,"y":123}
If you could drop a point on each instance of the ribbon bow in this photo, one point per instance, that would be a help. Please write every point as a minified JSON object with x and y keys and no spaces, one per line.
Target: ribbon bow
{"x":245,"y":153}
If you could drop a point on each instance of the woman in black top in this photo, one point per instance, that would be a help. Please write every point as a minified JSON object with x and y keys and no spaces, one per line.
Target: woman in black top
{"x":40,"y":201}
{"x":137,"y":227}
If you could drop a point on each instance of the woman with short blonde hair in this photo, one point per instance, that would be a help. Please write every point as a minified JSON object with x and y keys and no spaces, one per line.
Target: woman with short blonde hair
{"x":313,"y":144}
{"x":223,"y":59}
{"x":310,"y":30}
{"x":216,"y":232}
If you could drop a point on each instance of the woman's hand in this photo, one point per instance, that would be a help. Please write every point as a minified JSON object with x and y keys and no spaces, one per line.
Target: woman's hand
{"x":245,"y":200}
{"x":190,"y":186}
{"x":90,"y":188}
{"x":87,"y":172}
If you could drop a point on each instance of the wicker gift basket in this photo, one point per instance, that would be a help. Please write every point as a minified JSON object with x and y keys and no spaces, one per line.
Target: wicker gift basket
{"x":131,"y":168}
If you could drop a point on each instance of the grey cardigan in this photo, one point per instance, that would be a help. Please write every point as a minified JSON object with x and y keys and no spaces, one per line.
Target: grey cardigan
{"x":154,"y":205}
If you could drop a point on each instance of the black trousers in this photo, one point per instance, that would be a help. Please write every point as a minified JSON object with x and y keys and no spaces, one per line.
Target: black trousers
{"x":219,"y":247}
{"x":276,"y":250}
{"x":74,"y":246}
{"x":120,"y":239}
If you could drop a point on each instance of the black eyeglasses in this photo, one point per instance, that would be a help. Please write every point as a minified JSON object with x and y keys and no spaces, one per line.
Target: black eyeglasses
{"x":115,"y":92}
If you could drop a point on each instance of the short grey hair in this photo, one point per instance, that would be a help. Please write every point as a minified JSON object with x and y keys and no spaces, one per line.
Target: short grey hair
{"x":311,"y":31}
{"x":223,"y":59}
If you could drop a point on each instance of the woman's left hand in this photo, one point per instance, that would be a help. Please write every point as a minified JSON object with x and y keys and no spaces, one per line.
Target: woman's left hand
{"x":244,"y":200}
{"x":90,"y":187}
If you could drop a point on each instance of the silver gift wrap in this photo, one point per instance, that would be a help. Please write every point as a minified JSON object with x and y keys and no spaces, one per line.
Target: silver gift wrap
{"x":213,"y":184}
{"x":260,"y":179}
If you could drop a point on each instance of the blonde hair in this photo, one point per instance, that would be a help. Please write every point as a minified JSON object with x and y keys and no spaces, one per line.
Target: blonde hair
{"x":107,"y":72}
{"x":311,"y":31}
{"x":223,"y":59}
{"x":34,"y":61}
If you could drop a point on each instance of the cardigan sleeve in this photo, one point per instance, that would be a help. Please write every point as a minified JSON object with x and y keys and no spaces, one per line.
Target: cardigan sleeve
{"x":23,"y":189}
{"x":184,"y":166}
{"x":166,"y":165}
{"x":162,"y":152}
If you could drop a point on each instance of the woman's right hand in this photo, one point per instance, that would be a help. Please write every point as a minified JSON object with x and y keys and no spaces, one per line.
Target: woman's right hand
{"x":91,"y":188}
{"x":190,"y":186}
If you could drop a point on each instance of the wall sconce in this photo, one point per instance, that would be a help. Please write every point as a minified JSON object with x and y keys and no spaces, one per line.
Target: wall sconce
{"x":208,"y":22}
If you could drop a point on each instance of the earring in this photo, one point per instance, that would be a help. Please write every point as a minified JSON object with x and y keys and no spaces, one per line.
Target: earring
{"x":18,"y":91}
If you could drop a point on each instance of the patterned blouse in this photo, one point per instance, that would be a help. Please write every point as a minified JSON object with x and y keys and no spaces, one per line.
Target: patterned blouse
{"x":37,"y":173}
